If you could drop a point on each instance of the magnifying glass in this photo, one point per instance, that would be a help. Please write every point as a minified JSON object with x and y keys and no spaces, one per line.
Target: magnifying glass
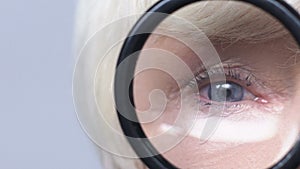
{"x":210,"y":84}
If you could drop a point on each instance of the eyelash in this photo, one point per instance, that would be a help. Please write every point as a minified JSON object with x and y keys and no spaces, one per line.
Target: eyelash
{"x":233,"y":74}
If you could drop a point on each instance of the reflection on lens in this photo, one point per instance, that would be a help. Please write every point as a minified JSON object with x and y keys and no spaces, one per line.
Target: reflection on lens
{"x":226,"y":85}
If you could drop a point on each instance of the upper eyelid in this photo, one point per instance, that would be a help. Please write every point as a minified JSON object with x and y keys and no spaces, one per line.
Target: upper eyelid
{"x":227,"y":63}
{"x":237,"y":73}
{"x":260,"y":84}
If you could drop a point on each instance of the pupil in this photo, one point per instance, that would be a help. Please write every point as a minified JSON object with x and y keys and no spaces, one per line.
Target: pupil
{"x":229,"y":91}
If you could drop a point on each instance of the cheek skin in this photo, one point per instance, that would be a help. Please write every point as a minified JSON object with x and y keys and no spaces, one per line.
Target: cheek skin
{"x":220,"y":155}
{"x":257,"y":142}
{"x":257,"y":136}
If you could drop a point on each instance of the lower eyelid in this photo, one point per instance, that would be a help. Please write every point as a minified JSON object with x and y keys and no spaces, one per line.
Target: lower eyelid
{"x":232,"y":108}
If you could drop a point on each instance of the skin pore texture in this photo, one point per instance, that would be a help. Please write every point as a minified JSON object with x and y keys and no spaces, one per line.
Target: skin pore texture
{"x":252,"y":133}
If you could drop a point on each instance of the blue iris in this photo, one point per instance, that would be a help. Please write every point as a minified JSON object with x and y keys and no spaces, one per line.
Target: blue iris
{"x":228,"y":91}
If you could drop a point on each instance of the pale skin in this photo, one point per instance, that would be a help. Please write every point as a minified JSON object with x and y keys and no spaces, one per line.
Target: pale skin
{"x":255,"y":132}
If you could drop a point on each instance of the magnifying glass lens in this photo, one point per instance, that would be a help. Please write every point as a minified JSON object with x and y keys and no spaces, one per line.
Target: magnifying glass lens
{"x":215,"y":86}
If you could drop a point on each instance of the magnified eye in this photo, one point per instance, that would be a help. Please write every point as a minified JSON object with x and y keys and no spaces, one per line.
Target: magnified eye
{"x":221,"y":95}
{"x":225,"y":91}
{"x":237,"y":87}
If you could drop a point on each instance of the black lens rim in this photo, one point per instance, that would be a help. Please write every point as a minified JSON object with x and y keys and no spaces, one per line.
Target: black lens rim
{"x":288,"y":16}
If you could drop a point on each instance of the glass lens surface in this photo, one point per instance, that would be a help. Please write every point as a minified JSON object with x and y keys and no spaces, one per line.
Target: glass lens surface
{"x":217,"y":86}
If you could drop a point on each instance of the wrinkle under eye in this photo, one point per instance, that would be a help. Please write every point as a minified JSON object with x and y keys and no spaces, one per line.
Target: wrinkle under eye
{"x":221,"y":92}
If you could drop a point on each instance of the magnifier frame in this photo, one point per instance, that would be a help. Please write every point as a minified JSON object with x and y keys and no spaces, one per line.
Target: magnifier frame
{"x":134,"y":42}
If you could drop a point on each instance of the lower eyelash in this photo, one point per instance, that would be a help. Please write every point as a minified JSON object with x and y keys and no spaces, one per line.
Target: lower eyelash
{"x":226,"y":109}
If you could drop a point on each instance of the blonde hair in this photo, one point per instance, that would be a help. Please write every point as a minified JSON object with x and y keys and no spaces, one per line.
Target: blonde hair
{"x":93,"y":15}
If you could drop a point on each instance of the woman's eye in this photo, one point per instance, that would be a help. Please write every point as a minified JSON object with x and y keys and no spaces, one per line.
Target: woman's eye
{"x":225,"y":92}
{"x":221,"y":92}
